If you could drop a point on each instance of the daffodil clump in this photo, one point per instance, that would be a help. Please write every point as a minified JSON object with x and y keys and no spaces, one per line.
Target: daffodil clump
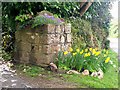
{"x":92,"y":59}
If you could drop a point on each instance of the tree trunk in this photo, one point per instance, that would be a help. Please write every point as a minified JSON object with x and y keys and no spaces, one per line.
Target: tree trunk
{"x":82,"y":3}
{"x":84,"y":7}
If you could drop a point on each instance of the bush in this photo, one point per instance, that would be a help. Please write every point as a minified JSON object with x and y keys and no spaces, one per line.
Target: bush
{"x":6,"y":56}
{"x":81,"y":32}
{"x":86,"y":34}
{"x":91,"y":59}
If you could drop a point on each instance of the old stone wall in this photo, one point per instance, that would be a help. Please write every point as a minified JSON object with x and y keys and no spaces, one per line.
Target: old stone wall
{"x":40,"y":45}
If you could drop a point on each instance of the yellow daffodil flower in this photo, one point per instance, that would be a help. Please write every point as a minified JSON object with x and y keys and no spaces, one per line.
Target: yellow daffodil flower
{"x":90,"y":49}
{"x":74,"y":54}
{"x":107,"y":60}
{"x":86,"y":50}
{"x":66,"y":52}
{"x":70,"y":49}
{"x":97,"y":53}
{"x":93,"y":51}
{"x":81,"y":52}
{"x":85,"y":55}
{"x":88,"y":54}
{"x":78,"y":50}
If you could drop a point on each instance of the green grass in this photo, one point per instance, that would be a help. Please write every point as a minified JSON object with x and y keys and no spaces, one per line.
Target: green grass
{"x":32,"y":70}
{"x":110,"y":79}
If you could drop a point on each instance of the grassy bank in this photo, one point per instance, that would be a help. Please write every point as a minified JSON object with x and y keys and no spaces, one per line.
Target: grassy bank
{"x":110,"y":79}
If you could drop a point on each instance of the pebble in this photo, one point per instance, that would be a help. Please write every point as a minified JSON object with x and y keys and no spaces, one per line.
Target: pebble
{"x":100,"y":74}
{"x":72,"y":72}
{"x":28,"y":86}
{"x":85,"y":72}
{"x":0,"y":62}
{"x":5,"y":73}
{"x":14,"y":84}
{"x":12,"y":75}
{"x":15,"y":74}
{"x":13,"y":80}
{"x":3,"y":80}
{"x":40,"y":74}
{"x":94,"y":74}
{"x":13,"y":71}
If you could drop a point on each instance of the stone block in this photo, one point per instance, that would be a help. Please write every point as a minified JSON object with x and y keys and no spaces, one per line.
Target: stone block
{"x":34,"y":38}
{"x":21,"y":46}
{"x":27,"y":37}
{"x":35,"y":57}
{"x":68,"y":37}
{"x":37,"y":38}
{"x":57,"y":29}
{"x":18,"y":36}
{"x":50,"y":38}
{"x":47,"y":38}
{"x":62,"y":39}
{"x":50,"y":28}
{"x":23,"y":57}
{"x":43,"y":39}
{"x":41,"y":29}
{"x":44,"y":59}
{"x":68,"y":28}
{"x":47,"y":49}
{"x":34,"y":48}
{"x":48,"y":58}
{"x":40,"y":47}
{"x":62,"y":28}
{"x":56,"y":48}
{"x":24,"y":60}
{"x":62,"y":47}
{"x":56,"y":39}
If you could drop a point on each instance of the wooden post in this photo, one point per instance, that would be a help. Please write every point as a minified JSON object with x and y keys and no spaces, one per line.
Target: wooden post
{"x":84,"y":7}
{"x":82,"y":3}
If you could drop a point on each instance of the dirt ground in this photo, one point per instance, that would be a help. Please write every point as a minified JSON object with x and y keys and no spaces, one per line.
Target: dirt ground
{"x":46,"y":81}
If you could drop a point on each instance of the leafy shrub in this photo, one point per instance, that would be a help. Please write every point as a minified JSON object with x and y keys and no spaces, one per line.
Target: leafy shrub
{"x":81,"y":32}
{"x":6,"y":56}
{"x":22,"y":18}
{"x":86,"y":34}
{"x":92,"y":59}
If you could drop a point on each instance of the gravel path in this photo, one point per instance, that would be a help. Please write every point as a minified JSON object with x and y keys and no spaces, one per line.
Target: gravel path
{"x":9,"y":78}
